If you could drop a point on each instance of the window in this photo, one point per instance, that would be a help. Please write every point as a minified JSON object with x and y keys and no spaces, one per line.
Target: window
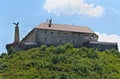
{"x":51,"y":32}
{"x":72,"y":33}
{"x":60,"y":40}
{"x":65,"y":33}
{"x":45,"y":39}
{"x":73,"y":41}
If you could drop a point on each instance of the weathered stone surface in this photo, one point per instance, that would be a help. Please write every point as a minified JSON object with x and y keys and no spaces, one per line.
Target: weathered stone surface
{"x":17,"y":37}
{"x":52,"y":37}
{"x":101,"y":46}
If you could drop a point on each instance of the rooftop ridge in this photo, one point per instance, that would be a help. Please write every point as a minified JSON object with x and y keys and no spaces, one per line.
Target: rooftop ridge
{"x":65,"y":27}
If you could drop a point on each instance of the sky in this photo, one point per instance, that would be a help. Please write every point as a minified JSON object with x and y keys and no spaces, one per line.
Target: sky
{"x":102,"y":16}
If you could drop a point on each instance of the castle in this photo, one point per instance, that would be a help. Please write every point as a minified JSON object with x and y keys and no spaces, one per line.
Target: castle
{"x":58,"y":34}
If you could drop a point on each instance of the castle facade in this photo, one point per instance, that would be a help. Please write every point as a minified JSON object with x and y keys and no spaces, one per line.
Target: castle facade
{"x":57,"y":34}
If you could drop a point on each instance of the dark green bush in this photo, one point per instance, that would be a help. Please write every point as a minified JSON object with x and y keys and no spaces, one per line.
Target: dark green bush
{"x":11,"y":50}
{"x":43,"y":48}
{"x":3,"y":55}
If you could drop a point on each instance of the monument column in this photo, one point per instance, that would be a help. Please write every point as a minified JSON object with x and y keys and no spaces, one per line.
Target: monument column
{"x":16,"y":36}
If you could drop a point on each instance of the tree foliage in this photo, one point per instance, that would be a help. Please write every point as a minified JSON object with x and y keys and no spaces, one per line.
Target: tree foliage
{"x":61,"y":62}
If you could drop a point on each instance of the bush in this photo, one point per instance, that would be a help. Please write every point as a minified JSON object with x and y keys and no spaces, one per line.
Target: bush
{"x":3,"y":55}
{"x":3,"y":67}
{"x":90,"y":53}
{"x":11,"y":50}
{"x":55,"y":60}
{"x":59,"y":49}
{"x":43,"y":48}
{"x":68,"y":46}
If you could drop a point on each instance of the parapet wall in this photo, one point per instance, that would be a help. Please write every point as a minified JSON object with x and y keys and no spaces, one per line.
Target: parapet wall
{"x":101,"y":46}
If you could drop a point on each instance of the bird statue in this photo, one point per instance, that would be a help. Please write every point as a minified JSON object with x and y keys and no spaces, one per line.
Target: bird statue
{"x":16,"y":23}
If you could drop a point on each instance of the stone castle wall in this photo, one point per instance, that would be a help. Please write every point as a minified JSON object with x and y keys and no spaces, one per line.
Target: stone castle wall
{"x":101,"y":46}
{"x":30,"y":38}
{"x":52,"y":37}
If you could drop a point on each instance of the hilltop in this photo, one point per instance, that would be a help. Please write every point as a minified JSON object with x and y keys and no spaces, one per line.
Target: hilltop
{"x":61,"y":62}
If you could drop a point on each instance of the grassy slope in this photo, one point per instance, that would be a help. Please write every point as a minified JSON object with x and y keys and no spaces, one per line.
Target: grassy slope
{"x":62,"y":62}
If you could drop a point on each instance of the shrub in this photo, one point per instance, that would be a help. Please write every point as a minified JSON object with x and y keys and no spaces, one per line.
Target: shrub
{"x":59,"y":49}
{"x":68,"y":46}
{"x":43,"y":48}
{"x":3,"y":55}
{"x":55,"y":59}
{"x":11,"y":50}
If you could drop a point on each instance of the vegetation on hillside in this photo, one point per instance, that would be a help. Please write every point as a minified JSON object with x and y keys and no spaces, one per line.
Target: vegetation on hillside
{"x":61,"y":62}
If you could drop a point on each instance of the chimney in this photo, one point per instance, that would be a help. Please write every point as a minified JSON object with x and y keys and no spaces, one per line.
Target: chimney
{"x":50,"y":23}
{"x":16,"y":36}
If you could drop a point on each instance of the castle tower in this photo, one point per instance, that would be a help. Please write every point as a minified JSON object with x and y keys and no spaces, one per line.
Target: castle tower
{"x":16,"y":36}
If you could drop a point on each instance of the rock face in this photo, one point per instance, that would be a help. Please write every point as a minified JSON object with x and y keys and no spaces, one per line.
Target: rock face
{"x":58,"y":34}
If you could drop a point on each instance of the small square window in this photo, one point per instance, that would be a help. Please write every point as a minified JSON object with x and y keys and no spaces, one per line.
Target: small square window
{"x":51,"y":32}
{"x":60,"y":40}
{"x":85,"y":35}
{"x":45,"y":39}
{"x":73,"y":41}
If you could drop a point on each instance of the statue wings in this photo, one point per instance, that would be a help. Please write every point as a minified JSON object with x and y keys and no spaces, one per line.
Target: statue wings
{"x":16,"y":23}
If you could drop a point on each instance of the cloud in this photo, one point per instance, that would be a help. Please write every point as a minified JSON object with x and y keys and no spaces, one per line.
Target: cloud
{"x":109,"y":38}
{"x":70,"y":7}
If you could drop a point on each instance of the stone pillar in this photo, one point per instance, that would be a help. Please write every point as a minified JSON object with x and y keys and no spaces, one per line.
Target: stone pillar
{"x":16,"y":37}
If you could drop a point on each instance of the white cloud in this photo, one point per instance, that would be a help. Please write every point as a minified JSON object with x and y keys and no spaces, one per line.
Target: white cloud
{"x":71,"y":7}
{"x":109,"y":38}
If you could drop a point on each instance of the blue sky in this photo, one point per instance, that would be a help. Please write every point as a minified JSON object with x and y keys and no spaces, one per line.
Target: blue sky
{"x":102,"y":16}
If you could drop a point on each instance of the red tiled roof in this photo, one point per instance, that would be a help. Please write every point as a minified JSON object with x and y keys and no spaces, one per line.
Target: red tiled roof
{"x":64,"y":27}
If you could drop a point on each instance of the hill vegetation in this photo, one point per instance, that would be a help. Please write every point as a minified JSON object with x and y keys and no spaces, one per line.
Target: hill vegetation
{"x":61,"y":62}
